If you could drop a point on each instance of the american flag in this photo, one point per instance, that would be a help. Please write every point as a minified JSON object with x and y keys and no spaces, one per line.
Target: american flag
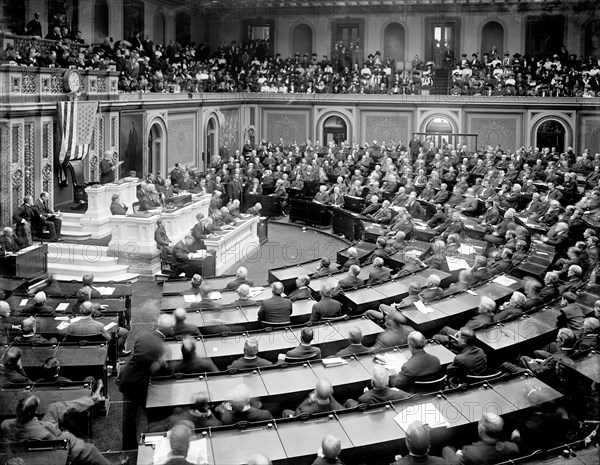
{"x":77,"y":120}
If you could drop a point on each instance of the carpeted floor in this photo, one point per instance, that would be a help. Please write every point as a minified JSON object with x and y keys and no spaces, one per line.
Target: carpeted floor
{"x":288,"y":244}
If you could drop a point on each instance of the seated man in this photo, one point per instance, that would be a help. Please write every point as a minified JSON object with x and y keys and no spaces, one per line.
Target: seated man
{"x":38,"y":307}
{"x":190,"y":362}
{"x":571,"y":314}
{"x":26,"y":427}
{"x":116,"y":207}
{"x":276,"y":309}
{"x":304,"y":351}
{"x":29,"y":336}
{"x":241,"y":277}
{"x":421,"y":366}
{"x":514,"y":307}
{"x":393,"y":311}
{"x":547,"y":294}
{"x":52,"y":220}
{"x":239,"y":408}
{"x":418,"y":443}
{"x":328,"y":454}
{"x":319,"y":400}
{"x":573,"y":281}
{"x":182,"y":255}
{"x":395,"y":334}
{"x":350,"y":281}
{"x":355,"y":337}
{"x":243,"y":299}
{"x":432,"y":290}
{"x":485,"y":315}
{"x":327,"y":307}
{"x":250,"y":358}
{"x":488,"y":450}
{"x":86,"y":328}
{"x":87,"y":280}
{"x":196,"y":281}
{"x":352,"y":259}
{"x":161,"y":238}
{"x":181,"y":328}
{"x":198,"y":413}
{"x":8,"y":241}
{"x":471,"y":360}
{"x":379,"y":274}
{"x":179,"y":440}
{"x":255,"y":210}
{"x":324,"y":268}
{"x":504,"y":265}
{"x":206,"y":303}
{"x":380,"y":391}
{"x":302,"y":291}
{"x":11,"y":370}
{"x":51,"y":374}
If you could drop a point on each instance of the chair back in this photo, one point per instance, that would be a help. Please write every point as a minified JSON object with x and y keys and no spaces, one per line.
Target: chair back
{"x":304,"y":358}
{"x":434,"y":385}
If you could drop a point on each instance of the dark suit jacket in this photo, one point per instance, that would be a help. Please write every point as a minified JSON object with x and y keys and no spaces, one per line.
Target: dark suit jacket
{"x":503,"y":266}
{"x":390,"y":338}
{"x":470,"y":361}
{"x":117,"y":209}
{"x":379,"y":275}
{"x":311,"y":406}
{"x":181,"y":252}
{"x":300,"y":294}
{"x":352,"y":349}
{"x":229,"y":417}
{"x":304,"y":352}
{"x":181,"y":328}
{"x":196,"y":365}
{"x":277,"y":309}
{"x":483,"y":453}
{"x":325,"y":308}
{"x":375,"y":396}
{"x":420,"y":367}
{"x":36,"y":309}
{"x":237,"y":282}
{"x":178,"y":461}
{"x":257,"y":362}
{"x":427,"y":460}
{"x":9,"y":244}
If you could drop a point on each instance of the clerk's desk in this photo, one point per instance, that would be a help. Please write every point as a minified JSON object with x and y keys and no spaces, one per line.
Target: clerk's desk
{"x":76,"y":362}
{"x":527,"y":332}
{"x":27,"y":263}
{"x":226,"y":298}
{"x":242,"y":318}
{"x":364,"y":432}
{"x":448,"y":311}
{"x":278,"y":381}
{"x":37,"y":452}
{"x":47,"y":393}
{"x":329,"y":337}
{"x":370,"y":297}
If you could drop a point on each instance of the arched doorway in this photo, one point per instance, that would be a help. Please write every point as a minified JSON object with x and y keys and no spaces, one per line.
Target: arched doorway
{"x":159,"y":28}
{"x":211,"y":143}
{"x":393,"y":42}
{"x":155,"y":148}
{"x":302,"y":40}
{"x":183,"y":28}
{"x":492,"y":35}
{"x":551,"y":133}
{"x":133,"y":16}
{"x":100,"y":21}
{"x":335,"y":129}
{"x":440,"y":130}
{"x":591,"y":34}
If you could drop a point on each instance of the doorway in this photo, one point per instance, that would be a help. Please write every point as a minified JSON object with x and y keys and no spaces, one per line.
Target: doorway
{"x":335,"y":130}
{"x":155,"y":145}
{"x":442,"y":42}
{"x":551,"y":133}
{"x":211,"y":142}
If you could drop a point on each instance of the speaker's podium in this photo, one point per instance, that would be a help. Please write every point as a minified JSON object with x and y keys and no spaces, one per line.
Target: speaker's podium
{"x":27,"y":263}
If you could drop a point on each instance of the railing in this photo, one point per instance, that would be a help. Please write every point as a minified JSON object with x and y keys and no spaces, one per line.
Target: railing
{"x":44,"y":46}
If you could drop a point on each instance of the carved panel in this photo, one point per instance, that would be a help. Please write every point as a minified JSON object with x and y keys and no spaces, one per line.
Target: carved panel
{"x":589,"y":133}
{"x":385,"y":127}
{"x":29,"y":162}
{"x":114,"y":131}
{"x":182,"y":139}
{"x":5,"y":184}
{"x":16,"y":143}
{"x":502,"y":130}
{"x":29,"y":83}
{"x":286,"y":125}
{"x":47,"y":159}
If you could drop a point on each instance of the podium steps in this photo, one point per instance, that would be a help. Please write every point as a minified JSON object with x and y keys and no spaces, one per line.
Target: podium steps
{"x":72,"y":229}
{"x":68,"y":261}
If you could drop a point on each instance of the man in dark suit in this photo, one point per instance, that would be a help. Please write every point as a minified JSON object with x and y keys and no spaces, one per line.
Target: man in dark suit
{"x":276,"y":309}
{"x":243,"y":299}
{"x":181,"y":328}
{"x":350,"y":281}
{"x":480,"y":271}
{"x":327,"y":307}
{"x":28,"y":220}
{"x":147,"y":360}
{"x":548,"y":293}
{"x":302,"y":291}
{"x":471,"y":360}
{"x":177,"y":175}
{"x":34,"y":27}
{"x":241,"y":277}
{"x":51,"y":219}
{"x":29,"y":335}
{"x":8,"y":241}
{"x":181,"y":254}
{"x":207,"y":303}
{"x":504,"y":265}
{"x":250,"y":358}
{"x":355,"y":337}
{"x":320,"y":400}
{"x":418,"y":443}
{"x":163,"y":242}
{"x":116,"y":207}
{"x":38,"y":307}
{"x":379,"y":274}
{"x":239,"y":408}
{"x":304,"y":351}
{"x":190,"y":362}
{"x":107,"y":168}
{"x":432,"y":290}
{"x":421,"y":366}
{"x":380,"y":391}
{"x":488,"y":450}
{"x":395,"y":334}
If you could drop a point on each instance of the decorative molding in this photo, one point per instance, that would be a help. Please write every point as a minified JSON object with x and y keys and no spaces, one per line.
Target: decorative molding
{"x":286,"y":125}
{"x":384,"y":126}
{"x":29,"y":158}
{"x":502,"y":130}
{"x":5,"y":178}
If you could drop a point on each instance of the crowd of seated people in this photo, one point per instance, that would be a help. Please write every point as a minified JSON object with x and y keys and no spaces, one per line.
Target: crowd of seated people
{"x":557,"y":75}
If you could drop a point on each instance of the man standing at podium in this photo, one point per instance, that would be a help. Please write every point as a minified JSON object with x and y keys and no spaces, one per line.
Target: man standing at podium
{"x":108,"y":168}
{"x":52,"y":219}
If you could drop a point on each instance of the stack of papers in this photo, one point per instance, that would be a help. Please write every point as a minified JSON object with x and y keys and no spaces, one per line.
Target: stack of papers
{"x":105,"y":290}
{"x":504,"y":281}
{"x":425,"y":413}
{"x":62,"y":307}
{"x":63,"y":325}
{"x":457,"y":264}
{"x":334,"y":362}
{"x":393,"y":361}
{"x":190,"y":298}
{"x":424,"y":309}
{"x":214,"y":295}
{"x":255,"y":291}
{"x":23,"y":302}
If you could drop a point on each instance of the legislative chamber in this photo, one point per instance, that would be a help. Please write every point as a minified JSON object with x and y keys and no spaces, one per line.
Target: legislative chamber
{"x":356,"y":232}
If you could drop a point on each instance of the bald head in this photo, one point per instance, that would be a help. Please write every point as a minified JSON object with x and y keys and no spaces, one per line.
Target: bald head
{"x":258,"y":459}
{"x":40,"y":297}
{"x":416,"y":341}
{"x":28,"y":326}
{"x":355,"y":335}
{"x":380,"y":377}
{"x":490,"y":426}
{"x":180,"y":315}
{"x":165,"y":323}
{"x":418,"y":440}
{"x":331,"y":446}
{"x":277,"y":288}
{"x":243,"y":291}
{"x":179,"y":438}
{"x":4,"y":309}
{"x":323,"y":389}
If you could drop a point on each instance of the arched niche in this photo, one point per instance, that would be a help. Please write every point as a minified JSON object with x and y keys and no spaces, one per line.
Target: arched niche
{"x":394,"y":43}
{"x":211,"y":138}
{"x":158,"y":31}
{"x":156,"y":148}
{"x":183,"y":28}
{"x":302,"y":40}
{"x":551,"y":132}
{"x":492,"y":35}
{"x":101,"y":16}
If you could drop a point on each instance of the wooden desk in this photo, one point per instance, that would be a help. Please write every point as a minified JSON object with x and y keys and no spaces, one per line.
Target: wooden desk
{"x":37,"y":452}
{"x":47,"y":395}
{"x":309,"y":212}
{"x":588,"y":366}
{"x":348,"y":223}
{"x":27,"y":263}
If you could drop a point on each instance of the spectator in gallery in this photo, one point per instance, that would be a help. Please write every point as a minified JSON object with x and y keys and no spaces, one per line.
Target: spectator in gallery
{"x":34,"y":27}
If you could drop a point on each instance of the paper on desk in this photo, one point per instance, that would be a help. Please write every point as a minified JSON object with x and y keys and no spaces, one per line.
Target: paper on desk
{"x":470,"y":226}
{"x":254,"y":291}
{"x":105,"y":290}
{"x":469,"y":291}
{"x":424,"y":309}
{"x":189,"y":298}
{"x":75,"y":319}
{"x":61,"y":318}
{"x":393,"y":361}
{"x":456,"y":264}
{"x":110,"y":326}
{"x":425,"y":413}
{"x":63,"y":325}
{"x":197,"y":452}
{"x":504,"y":281}
{"x":23,"y":302}
{"x":466,"y":249}
{"x":215,"y":295}
{"x":334,"y":361}
{"x":62,"y":307}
